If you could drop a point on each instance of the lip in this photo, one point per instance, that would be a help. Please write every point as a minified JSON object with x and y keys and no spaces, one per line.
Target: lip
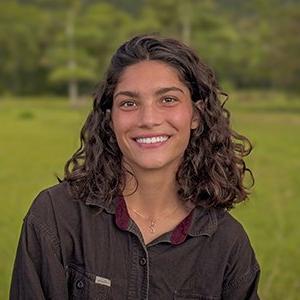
{"x":149,"y":135}
{"x":152,"y":145}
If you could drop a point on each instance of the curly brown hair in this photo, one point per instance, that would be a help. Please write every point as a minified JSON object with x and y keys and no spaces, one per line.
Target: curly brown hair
{"x":212,"y":171}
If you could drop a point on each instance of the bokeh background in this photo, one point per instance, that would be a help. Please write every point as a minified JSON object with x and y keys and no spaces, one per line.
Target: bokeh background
{"x":54,"y":52}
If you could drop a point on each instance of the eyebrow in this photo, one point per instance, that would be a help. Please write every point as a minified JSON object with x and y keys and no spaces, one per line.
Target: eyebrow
{"x":159,"y":92}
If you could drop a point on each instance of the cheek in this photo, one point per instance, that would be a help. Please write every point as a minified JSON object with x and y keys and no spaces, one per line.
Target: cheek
{"x":120,"y":124}
{"x":183,"y":120}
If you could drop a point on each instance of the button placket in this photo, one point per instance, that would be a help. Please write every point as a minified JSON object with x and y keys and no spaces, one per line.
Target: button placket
{"x":143,"y":261}
{"x":139,"y":278}
{"x":79,"y":284}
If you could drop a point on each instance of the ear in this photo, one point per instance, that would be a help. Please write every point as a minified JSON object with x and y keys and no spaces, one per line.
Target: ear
{"x":195,"y":121}
{"x":196,"y":114}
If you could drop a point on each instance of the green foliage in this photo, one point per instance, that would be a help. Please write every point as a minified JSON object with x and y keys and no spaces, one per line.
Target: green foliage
{"x":101,"y":28}
{"x":59,"y":59}
{"x":80,"y":48}
{"x":46,"y":45}
{"x":63,"y":74}
{"x":23,"y":32}
{"x":284,"y":60}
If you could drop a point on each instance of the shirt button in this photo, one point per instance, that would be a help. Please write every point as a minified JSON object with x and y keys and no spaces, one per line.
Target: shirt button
{"x":143,"y":261}
{"x":79,"y":284}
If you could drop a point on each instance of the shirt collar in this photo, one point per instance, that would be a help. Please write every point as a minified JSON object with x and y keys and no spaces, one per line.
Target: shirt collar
{"x":178,"y":235}
{"x":109,"y":207}
{"x":204,"y":221}
{"x":200,"y":222}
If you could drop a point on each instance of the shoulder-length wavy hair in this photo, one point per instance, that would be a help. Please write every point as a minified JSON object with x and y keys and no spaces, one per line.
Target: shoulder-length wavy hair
{"x":212,"y":170}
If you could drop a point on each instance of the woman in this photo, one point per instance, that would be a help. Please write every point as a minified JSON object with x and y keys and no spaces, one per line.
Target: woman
{"x":142,"y":210}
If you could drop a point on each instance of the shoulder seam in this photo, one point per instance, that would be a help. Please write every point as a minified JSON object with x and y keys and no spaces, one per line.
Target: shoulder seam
{"x":34,"y":220}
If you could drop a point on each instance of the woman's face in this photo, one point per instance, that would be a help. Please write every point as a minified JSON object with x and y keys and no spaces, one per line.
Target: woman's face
{"x":152,"y":116}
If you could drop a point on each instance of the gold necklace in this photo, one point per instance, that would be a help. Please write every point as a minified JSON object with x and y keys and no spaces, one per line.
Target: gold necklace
{"x":153,"y":221}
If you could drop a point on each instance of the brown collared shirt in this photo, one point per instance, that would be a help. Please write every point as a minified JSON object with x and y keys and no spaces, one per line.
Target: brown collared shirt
{"x":74,"y":250}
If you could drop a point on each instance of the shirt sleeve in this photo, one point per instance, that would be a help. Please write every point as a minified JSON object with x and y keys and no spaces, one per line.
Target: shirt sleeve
{"x":243,"y":271}
{"x":38,"y":272}
{"x":245,"y":288}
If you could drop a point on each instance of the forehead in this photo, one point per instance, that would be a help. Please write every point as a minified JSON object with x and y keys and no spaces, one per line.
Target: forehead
{"x":149,"y":74}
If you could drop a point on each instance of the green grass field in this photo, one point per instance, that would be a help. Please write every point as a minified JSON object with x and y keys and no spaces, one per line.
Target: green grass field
{"x":38,"y":136}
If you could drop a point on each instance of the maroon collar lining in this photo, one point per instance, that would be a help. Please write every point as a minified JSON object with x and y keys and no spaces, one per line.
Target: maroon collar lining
{"x":180,"y":232}
{"x":122,"y":217}
{"x":178,"y":235}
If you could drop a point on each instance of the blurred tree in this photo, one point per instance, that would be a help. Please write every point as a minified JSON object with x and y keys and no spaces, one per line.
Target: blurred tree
{"x":200,"y":24}
{"x":87,"y":37}
{"x":267,"y":47}
{"x":283,"y":60}
{"x":246,"y":66}
{"x":46,"y":45}
{"x":214,"y":38}
{"x":102,"y":27}
{"x":68,"y":60}
{"x":173,"y":17}
{"x":23,"y":36}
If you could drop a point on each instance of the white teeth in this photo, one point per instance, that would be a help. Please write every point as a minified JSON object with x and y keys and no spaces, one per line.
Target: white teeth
{"x":157,"y":139}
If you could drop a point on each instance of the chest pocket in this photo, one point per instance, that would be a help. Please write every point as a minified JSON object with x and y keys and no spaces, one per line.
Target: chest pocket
{"x":192,"y":295}
{"x":87,"y":286}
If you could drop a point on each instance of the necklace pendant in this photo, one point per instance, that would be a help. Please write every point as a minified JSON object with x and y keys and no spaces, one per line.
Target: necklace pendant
{"x":151,"y":226}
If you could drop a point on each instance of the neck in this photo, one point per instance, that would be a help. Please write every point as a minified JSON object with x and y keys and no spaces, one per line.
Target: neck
{"x":156,"y":191}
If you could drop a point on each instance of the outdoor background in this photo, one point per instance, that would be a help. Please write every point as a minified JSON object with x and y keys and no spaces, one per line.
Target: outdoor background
{"x":54,"y":52}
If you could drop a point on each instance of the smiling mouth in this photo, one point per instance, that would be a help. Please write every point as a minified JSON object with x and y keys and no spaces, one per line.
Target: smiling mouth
{"x":152,"y":140}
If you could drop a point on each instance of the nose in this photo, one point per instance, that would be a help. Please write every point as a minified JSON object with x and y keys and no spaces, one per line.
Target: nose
{"x":150,"y":116}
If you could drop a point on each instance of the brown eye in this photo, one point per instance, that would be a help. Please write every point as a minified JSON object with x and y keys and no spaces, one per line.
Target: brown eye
{"x":128,"y":104}
{"x":169,"y":100}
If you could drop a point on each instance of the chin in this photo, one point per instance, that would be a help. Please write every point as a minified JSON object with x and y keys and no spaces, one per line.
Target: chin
{"x":152,"y":166}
